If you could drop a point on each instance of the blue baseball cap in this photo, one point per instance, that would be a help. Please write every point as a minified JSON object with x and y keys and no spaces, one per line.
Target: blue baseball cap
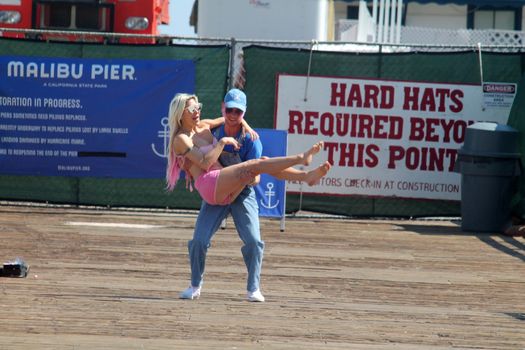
{"x":235,"y":98}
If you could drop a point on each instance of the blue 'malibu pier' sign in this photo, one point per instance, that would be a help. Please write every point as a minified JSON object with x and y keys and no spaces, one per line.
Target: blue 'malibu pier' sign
{"x":87,"y":117}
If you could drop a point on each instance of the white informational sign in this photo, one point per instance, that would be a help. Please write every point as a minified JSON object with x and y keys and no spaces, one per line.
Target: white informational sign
{"x":384,"y":138}
{"x":499,"y":95}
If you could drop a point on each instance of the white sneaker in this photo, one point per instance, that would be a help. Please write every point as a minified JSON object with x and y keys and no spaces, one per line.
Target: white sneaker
{"x":191,"y":293}
{"x":256,"y":296}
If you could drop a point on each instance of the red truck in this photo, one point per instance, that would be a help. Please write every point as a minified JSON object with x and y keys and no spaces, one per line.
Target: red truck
{"x":94,"y":16}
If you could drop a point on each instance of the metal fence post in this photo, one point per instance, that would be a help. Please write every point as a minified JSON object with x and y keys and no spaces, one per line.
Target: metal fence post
{"x":231,"y":73}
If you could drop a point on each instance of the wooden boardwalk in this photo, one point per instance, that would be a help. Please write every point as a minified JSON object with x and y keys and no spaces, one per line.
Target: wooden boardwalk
{"x":110,"y":280}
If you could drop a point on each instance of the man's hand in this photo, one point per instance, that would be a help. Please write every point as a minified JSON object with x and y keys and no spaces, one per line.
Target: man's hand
{"x":255,"y":181}
{"x":230,"y":141}
{"x":253,"y":134}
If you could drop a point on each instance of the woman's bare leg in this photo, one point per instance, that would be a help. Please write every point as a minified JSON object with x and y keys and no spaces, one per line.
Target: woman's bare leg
{"x":310,"y":177}
{"x":239,"y":175}
{"x":235,"y":193}
{"x":290,"y":174}
{"x":234,"y":189}
{"x":313,"y":176}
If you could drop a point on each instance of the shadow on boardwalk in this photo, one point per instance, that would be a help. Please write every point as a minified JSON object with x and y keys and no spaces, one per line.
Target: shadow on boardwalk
{"x":512,"y":246}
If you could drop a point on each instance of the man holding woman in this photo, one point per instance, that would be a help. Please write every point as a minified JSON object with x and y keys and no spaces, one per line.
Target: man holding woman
{"x":226,"y":188}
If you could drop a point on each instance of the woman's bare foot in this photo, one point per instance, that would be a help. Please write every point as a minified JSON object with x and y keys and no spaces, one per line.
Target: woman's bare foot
{"x":313,"y":176}
{"x":308,"y":155}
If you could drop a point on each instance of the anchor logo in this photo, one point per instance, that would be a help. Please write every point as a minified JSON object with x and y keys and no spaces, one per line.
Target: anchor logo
{"x":163,"y":134}
{"x":270,"y":193}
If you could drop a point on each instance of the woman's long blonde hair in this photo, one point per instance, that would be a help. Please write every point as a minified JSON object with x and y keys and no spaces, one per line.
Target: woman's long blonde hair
{"x":177,"y":106}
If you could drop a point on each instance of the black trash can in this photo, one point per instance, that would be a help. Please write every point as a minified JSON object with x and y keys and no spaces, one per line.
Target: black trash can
{"x":489,"y":163}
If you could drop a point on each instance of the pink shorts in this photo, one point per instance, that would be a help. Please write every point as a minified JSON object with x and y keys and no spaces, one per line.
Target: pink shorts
{"x":206,"y":184}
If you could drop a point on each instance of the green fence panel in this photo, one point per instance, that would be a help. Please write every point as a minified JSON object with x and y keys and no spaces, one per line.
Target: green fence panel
{"x":517,"y":120}
{"x":136,"y":193}
{"x":16,"y":47}
{"x":262,"y":64}
{"x":211,"y":82}
{"x":39,"y":188}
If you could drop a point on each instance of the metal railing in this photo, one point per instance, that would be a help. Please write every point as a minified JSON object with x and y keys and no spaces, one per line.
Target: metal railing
{"x":347,"y":30}
{"x":413,"y":39}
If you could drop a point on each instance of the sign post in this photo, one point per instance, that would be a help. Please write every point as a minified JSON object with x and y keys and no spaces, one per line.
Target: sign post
{"x":271,"y":192}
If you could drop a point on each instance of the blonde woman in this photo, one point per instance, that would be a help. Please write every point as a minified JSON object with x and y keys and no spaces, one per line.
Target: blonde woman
{"x":193,"y":148}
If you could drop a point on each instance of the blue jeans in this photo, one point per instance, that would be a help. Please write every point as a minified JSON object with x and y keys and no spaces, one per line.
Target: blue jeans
{"x":245,"y":213}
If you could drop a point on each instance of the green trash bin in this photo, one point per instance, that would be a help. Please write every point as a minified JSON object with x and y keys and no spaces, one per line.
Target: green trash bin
{"x":489,"y":163}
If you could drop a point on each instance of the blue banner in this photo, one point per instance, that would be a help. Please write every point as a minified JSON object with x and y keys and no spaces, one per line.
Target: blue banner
{"x":87,"y":117}
{"x":271,"y":192}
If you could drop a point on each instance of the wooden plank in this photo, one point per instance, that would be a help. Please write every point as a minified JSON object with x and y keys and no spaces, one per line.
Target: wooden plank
{"x":110,"y":280}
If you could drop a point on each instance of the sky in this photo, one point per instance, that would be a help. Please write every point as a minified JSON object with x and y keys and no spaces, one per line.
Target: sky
{"x":179,"y":19}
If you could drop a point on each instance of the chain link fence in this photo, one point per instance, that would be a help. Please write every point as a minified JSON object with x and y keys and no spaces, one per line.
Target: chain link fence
{"x":251,"y":65}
